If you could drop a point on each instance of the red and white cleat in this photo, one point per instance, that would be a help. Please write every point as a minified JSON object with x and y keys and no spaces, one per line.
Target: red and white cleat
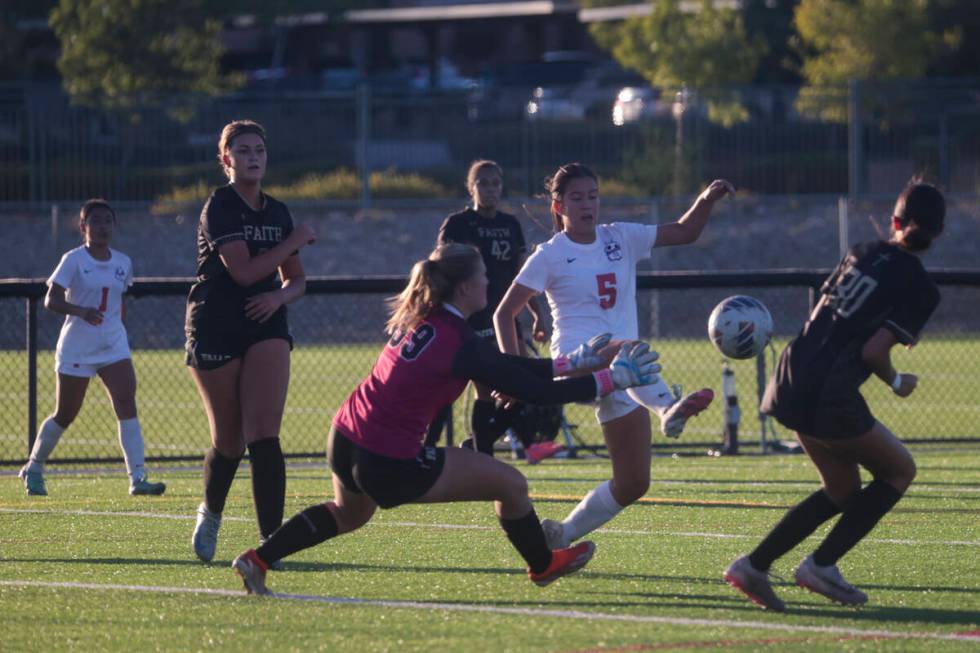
{"x":564,"y":562}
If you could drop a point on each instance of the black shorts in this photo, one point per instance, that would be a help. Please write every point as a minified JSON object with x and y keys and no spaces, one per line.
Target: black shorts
{"x":835,"y":411}
{"x":211,"y":344}
{"x":389,"y":481}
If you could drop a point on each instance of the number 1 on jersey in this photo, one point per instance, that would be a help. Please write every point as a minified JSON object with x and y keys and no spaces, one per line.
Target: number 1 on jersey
{"x":607,"y":289}
{"x":104,"y":304}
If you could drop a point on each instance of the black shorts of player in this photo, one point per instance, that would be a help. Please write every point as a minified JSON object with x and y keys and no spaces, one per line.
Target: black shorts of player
{"x":209,"y":346}
{"x":835,"y":412}
{"x":389,"y":481}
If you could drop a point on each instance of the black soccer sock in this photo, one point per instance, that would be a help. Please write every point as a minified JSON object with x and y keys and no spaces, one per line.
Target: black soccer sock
{"x":507,"y":417}
{"x":527,"y":537}
{"x":483,"y":422}
{"x":268,"y":483}
{"x":219,"y":472}
{"x":860,"y":516}
{"x":314,"y":525}
{"x":793,"y":528}
{"x":437,"y":425}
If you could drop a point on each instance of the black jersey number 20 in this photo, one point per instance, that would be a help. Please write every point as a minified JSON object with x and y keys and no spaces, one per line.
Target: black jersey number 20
{"x":852,"y":289}
{"x":419,"y":340}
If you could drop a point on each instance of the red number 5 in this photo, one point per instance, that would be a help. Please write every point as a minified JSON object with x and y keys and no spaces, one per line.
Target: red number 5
{"x":607,"y":289}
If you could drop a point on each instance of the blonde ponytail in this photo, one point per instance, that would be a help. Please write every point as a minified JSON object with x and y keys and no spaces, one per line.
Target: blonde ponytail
{"x":432,"y":283}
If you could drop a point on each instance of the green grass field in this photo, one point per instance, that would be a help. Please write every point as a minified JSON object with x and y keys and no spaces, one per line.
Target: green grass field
{"x":322,"y":376}
{"x":90,"y":568}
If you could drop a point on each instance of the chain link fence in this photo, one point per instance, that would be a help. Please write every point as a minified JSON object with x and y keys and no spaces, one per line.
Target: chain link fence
{"x":338,"y":332}
{"x":657,"y":143}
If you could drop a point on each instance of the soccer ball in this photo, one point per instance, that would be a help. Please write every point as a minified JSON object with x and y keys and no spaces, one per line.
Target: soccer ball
{"x":740,"y":327}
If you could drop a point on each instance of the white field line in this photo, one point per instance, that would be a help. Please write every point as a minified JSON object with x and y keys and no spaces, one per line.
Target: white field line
{"x":917,"y":488}
{"x":473,"y":527}
{"x":579,"y":615}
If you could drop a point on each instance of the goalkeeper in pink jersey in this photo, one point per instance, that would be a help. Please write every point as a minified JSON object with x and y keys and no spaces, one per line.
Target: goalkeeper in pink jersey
{"x":376,"y":446}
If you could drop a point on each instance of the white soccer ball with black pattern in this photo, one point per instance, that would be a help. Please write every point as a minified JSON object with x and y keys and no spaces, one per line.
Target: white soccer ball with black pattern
{"x":740,"y":327}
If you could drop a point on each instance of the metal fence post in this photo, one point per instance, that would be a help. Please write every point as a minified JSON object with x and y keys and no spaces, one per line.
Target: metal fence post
{"x":855,"y":146}
{"x":31,"y":372}
{"x":363,"y":137}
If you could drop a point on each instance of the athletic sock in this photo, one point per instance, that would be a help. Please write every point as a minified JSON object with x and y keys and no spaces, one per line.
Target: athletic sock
{"x":506,"y":418}
{"x":131,"y":441}
{"x":860,"y":516}
{"x":268,"y":483}
{"x":656,"y":397}
{"x":219,"y":472}
{"x":527,"y":537}
{"x":793,"y":528}
{"x":47,"y":437}
{"x":598,"y":507}
{"x":308,"y":528}
{"x":483,"y":423}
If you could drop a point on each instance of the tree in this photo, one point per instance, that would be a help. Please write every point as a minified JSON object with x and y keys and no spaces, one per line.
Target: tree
{"x":129,"y":54}
{"x":673,"y":48}
{"x":865,"y":40}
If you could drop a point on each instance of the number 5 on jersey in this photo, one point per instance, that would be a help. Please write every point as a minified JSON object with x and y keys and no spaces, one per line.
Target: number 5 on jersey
{"x":607,"y":289}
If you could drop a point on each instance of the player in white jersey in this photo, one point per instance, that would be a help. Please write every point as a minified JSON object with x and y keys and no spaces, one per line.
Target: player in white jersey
{"x":588,"y":273}
{"x":87,"y":287}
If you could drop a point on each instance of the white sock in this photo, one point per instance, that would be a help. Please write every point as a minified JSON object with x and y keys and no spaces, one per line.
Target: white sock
{"x":656,"y":397}
{"x":131,"y":441}
{"x":593,"y":511}
{"x":47,"y":437}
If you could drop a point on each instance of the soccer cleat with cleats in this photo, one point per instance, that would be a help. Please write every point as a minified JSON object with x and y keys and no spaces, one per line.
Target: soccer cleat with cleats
{"x":251,"y":569}
{"x":674,"y":419}
{"x":33,"y":482}
{"x":564,"y":562}
{"x":141,"y":486}
{"x":554,"y":534}
{"x":754,"y":584}
{"x":205,"y":537}
{"x":828,"y":582}
{"x":541,"y":450}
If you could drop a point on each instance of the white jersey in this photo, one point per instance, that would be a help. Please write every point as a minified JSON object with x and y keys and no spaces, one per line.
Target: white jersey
{"x":93,"y":284}
{"x":591,"y":289}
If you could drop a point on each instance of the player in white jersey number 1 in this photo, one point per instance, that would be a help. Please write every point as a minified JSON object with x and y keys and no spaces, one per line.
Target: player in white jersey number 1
{"x":87,"y":287}
{"x":588,"y":273}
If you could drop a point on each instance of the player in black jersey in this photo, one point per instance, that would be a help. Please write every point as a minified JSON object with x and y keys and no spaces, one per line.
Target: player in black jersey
{"x":499,"y":238}
{"x":879,"y":296}
{"x":238,"y":340}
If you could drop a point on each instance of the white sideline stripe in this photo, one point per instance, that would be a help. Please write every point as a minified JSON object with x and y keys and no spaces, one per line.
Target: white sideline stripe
{"x":524,"y":612}
{"x":474,"y":527}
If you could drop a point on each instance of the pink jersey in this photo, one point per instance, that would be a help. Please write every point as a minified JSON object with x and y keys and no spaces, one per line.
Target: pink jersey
{"x":390,"y":411}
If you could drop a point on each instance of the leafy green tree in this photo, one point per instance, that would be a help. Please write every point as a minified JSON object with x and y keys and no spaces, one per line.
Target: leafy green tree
{"x":673,"y":48}
{"x":865,"y":40}
{"x":129,"y":54}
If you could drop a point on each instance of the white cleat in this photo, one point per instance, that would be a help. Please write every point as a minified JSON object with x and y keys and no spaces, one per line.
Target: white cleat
{"x":754,"y":584}
{"x":554,"y":534}
{"x":205,"y":537}
{"x":674,"y":419}
{"x":252,"y":570}
{"x":828,"y":582}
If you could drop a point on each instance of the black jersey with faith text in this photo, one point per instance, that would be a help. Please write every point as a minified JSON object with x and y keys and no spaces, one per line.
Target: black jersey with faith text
{"x":226,"y":217}
{"x":876,"y":285}
{"x":501,"y":243}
